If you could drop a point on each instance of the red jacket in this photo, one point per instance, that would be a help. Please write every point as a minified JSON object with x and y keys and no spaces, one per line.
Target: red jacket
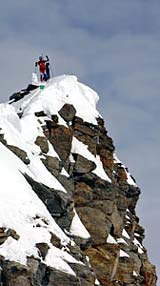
{"x":42,"y":66}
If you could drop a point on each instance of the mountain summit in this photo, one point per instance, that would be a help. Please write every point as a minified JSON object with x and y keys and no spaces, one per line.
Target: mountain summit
{"x":67,"y":203}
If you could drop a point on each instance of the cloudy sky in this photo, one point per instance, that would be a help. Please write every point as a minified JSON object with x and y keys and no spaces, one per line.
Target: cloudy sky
{"x":114,"y":47}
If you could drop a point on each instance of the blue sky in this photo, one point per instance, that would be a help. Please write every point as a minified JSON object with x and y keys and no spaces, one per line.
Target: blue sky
{"x":114,"y":47}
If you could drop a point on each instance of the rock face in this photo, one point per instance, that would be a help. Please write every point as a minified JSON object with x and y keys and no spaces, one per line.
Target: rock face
{"x":113,"y":255}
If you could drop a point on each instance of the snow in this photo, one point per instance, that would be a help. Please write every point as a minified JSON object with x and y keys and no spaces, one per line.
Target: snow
{"x":51,"y":151}
{"x":22,"y":210}
{"x":137,"y":234}
{"x":58,"y":259}
{"x":135,"y":273}
{"x":127,"y":217}
{"x":125,"y":234}
{"x":35,"y":79}
{"x":123,"y":253}
{"x":97,"y":282}
{"x":140,"y":251}
{"x":39,"y":171}
{"x":77,"y":228}
{"x":80,"y":148}
{"x":110,"y":239}
{"x":121,"y":240}
{"x":130,"y":181}
{"x":64,"y":173}
{"x":139,"y":245}
{"x":61,"y":90}
{"x":22,"y":133}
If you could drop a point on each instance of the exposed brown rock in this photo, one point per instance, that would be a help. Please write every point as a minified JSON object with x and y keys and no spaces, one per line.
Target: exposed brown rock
{"x":43,"y":249}
{"x":85,"y":274}
{"x":42,"y":143}
{"x":82,"y":194}
{"x":148,"y":272}
{"x":5,"y":233}
{"x":61,"y":139}
{"x":106,"y":158}
{"x":83,"y":165}
{"x":56,"y":241}
{"x":104,"y":260}
{"x":96,"y":223}
{"x":86,"y":133}
{"x":15,"y":274}
{"x":105,"y":208}
{"x":117,"y":222}
{"x":67,"y":112}
{"x":58,"y":278}
{"x":52,"y":164}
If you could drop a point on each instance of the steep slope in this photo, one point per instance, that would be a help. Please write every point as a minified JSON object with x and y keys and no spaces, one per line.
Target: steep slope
{"x":67,"y":208}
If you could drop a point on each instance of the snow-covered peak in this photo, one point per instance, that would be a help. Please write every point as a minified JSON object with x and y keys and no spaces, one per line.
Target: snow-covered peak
{"x":57,"y":92}
{"x":60,"y":182}
{"x":20,"y":208}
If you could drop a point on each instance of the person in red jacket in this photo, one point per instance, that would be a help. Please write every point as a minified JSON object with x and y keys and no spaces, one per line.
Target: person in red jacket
{"x":42,"y":67}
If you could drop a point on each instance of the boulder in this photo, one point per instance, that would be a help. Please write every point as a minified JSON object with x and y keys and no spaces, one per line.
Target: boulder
{"x":59,"y":278}
{"x":15,"y":274}
{"x":67,"y":112}
{"x":85,"y":274}
{"x":43,"y":249}
{"x":55,"y":241}
{"x":52,"y":164}
{"x":42,"y":142}
{"x":61,"y":139}
{"x":82,"y":194}
{"x":148,"y":272}
{"x":59,"y":204}
{"x":95,"y":222}
{"x":40,"y":113}
{"x":2,"y":139}
{"x":104,"y":260}
{"x":87,"y":133}
{"x":82,"y":165}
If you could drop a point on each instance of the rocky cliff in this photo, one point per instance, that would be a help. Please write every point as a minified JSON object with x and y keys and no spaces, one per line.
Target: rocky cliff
{"x":67,"y":209}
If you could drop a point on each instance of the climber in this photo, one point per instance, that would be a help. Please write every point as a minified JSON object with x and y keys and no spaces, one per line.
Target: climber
{"x":42,"y":67}
{"x":47,"y":74}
